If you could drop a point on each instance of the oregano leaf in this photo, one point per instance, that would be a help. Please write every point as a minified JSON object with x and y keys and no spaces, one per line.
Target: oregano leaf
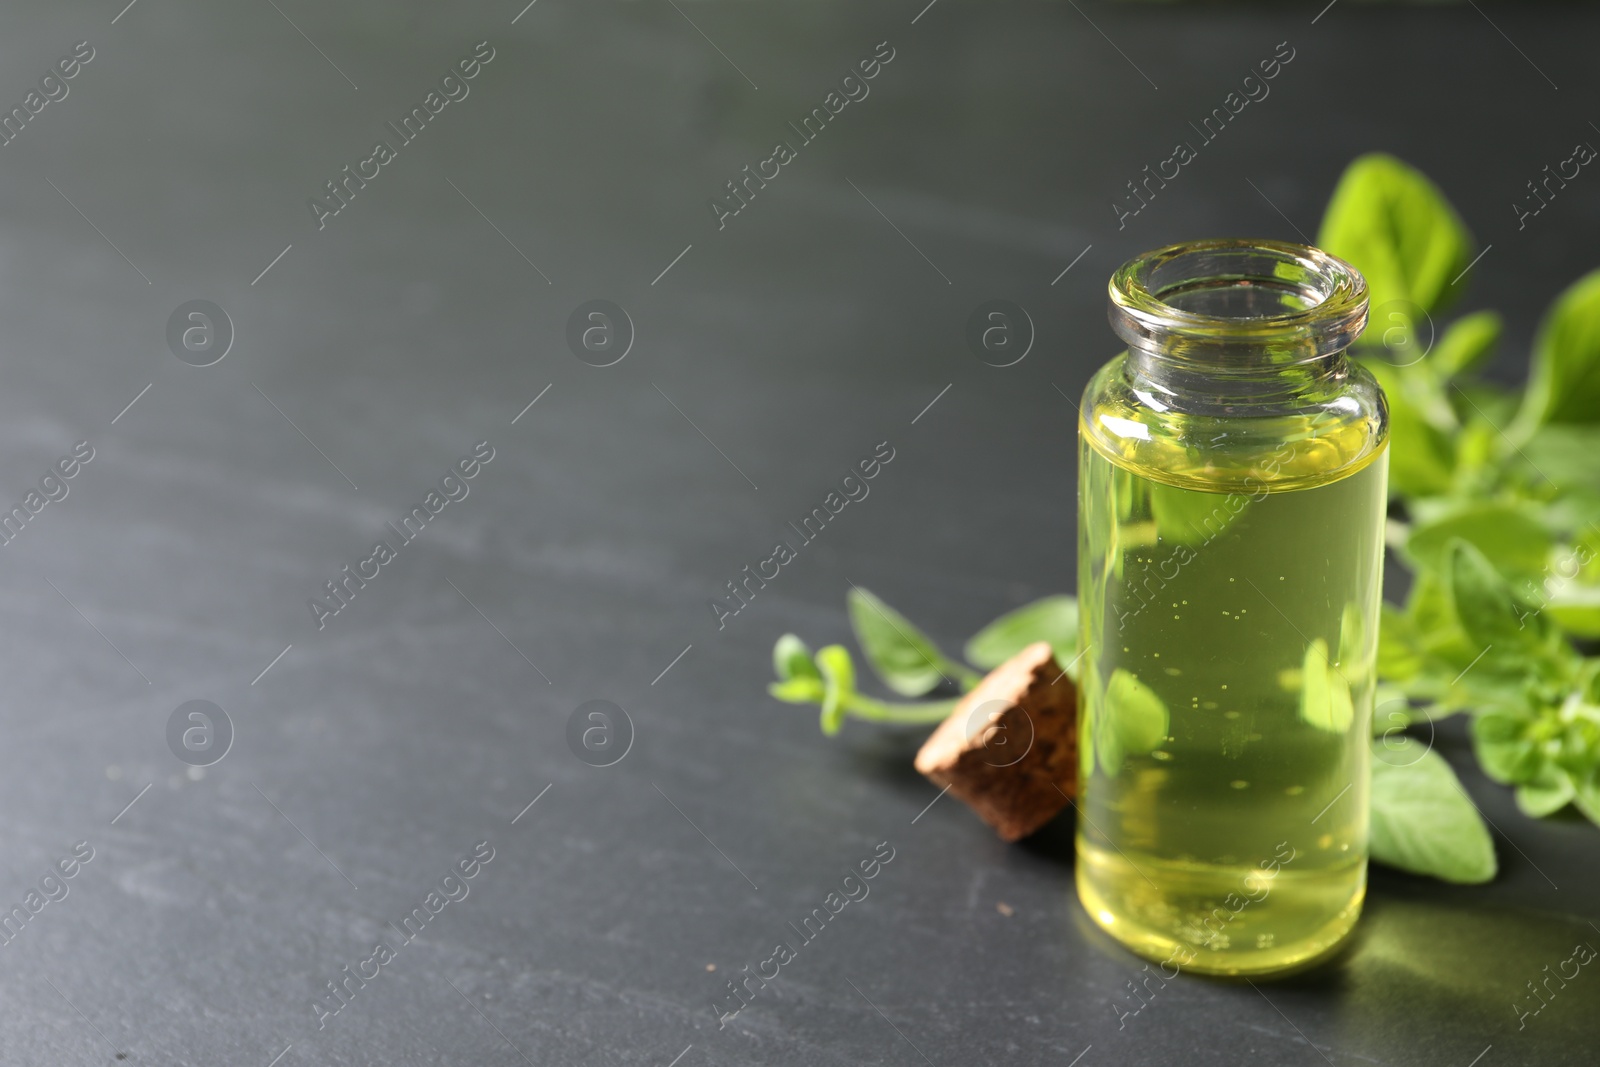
{"x":839,"y":682}
{"x":904,"y":657}
{"x":1422,"y":821}
{"x":1053,"y":619}
{"x":1398,"y":229}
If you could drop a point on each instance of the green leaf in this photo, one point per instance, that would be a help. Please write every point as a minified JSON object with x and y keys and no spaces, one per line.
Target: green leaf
{"x":1053,"y":619}
{"x":1588,"y":682}
{"x":1422,"y":822}
{"x":1505,"y":746}
{"x":1135,"y":720}
{"x":1421,"y":457}
{"x":1089,"y":720}
{"x":1400,"y":656}
{"x":1356,"y":651}
{"x":1564,"y":453}
{"x":1184,"y":517}
{"x":792,"y":659}
{"x":1587,"y":549}
{"x":1575,"y":607}
{"x":1324,"y":693}
{"x":829,"y":680}
{"x":1490,"y":405}
{"x":906,"y":660}
{"x":1587,"y":795}
{"x":839,"y":683}
{"x":1489,"y":613}
{"x":1512,"y":538}
{"x":1434,"y":623}
{"x":1465,"y":345}
{"x":798,"y":690}
{"x":1569,"y":590}
{"x":1548,"y":793}
{"x":1564,"y":381}
{"x":1392,"y":712}
{"x":1397,"y":228}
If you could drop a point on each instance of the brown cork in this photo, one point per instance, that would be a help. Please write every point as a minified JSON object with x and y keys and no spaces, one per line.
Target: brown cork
{"x":1010,"y":747}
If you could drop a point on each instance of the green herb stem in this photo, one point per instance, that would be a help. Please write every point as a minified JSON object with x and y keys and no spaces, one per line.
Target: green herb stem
{"x":920,"y":712}
{"x":962,"y":675}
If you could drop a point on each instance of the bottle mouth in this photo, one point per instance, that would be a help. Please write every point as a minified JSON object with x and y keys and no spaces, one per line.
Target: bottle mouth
{"x":1238,"y":303}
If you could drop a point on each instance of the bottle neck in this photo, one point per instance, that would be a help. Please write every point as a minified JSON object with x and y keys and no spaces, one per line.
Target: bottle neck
{"x":1236,"y":324}
{"x":1230,"y":385}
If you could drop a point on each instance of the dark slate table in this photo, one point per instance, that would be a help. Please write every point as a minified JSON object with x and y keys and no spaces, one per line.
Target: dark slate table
{"x":356,"y":362}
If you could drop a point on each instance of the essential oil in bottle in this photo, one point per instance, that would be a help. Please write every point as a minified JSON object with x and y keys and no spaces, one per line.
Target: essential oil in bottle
{"x":1231,"y":509}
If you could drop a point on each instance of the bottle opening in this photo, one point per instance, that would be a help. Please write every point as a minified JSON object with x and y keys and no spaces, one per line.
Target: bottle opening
{"x":1238,"y":303}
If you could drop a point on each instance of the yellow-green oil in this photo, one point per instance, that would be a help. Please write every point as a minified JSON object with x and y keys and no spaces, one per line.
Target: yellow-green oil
{"x":1229,"y":612}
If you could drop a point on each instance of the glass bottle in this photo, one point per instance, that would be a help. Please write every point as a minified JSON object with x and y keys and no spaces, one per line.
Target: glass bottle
{"x":1232,"y":468}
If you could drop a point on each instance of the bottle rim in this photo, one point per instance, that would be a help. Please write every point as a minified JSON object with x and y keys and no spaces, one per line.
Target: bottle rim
{"x":1184,"y":300}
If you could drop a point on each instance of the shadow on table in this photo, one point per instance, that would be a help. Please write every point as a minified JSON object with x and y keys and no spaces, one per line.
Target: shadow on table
{"x":1422,"y":954}
{"x":1448,"y":967}
{"x":1416,"y":952}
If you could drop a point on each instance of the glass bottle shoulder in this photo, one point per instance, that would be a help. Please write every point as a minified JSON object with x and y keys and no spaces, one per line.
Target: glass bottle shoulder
{"x":1325,"y":432}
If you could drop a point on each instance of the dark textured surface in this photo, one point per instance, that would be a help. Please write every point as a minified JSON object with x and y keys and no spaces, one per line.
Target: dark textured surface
{"x":797,"y":338}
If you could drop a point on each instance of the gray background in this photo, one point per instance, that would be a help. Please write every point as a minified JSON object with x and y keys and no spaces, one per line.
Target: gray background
{"x":797,"y":338}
